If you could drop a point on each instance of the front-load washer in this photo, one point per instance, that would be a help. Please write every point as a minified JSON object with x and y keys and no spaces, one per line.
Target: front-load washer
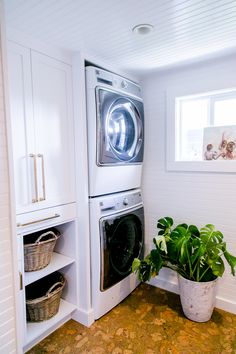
{"x":117,"y":237}
{"x":115,"y":118}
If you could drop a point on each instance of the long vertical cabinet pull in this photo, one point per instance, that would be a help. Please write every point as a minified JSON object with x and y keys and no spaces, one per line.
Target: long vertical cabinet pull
{"x":43,"y":178}
{"x":36,"y":199}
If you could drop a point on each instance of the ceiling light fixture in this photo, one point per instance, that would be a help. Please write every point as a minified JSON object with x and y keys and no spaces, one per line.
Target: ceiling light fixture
{"x":143,"y":29}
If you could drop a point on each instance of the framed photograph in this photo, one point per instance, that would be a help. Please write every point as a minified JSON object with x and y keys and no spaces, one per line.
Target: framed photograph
{"x":219,"y":143}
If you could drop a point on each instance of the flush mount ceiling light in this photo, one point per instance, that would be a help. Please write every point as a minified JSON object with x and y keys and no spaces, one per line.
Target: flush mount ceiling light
{"x":143,"y":29}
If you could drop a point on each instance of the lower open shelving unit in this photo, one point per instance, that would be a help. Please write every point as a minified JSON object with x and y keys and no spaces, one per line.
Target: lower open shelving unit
{"x":64,"y":261}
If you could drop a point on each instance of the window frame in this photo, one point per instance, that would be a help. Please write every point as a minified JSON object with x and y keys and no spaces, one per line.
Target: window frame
{"x":173,"y":96}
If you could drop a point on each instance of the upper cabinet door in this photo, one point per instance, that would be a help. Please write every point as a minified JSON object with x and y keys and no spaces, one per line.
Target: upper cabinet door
{"x":42,"y":130}
{"x":54,"y":138}
{"x":22,"y":127}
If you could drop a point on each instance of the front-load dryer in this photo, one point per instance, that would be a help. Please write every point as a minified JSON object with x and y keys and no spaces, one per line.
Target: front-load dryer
{"x":115,"y":118}
{"x":117,"y":237}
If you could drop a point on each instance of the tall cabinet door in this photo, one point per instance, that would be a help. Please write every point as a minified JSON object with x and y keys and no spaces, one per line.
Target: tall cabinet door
{"x":53,"y":118}
{"x":22,"y":127}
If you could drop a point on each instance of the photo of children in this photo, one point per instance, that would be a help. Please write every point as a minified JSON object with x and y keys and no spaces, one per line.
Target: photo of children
{"x":219,"y":143}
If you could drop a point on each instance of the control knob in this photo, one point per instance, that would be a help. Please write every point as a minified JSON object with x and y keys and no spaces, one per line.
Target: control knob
{"x":124,"y":84}
{"x":125,"y":201}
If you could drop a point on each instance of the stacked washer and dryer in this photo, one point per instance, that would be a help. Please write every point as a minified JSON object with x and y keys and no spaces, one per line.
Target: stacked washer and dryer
{"x":115,"y":154}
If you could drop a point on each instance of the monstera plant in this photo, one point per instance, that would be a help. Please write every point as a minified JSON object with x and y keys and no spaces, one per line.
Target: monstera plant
{"x":196,"y":255}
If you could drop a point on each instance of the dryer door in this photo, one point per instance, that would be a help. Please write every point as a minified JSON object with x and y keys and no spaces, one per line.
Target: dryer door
{"x":122,"y":242}
{"x":120,"y":137}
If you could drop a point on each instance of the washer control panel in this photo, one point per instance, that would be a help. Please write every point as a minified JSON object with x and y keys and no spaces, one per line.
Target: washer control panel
{"x":120,"y":202}
{"x":125,"y":201}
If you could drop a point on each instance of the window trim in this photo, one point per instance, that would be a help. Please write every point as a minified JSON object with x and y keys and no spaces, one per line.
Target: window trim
{"x":173,"y":126}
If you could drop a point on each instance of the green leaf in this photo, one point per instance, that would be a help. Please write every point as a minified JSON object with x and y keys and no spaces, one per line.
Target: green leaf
{"x":165,"y":223}
{"x":157,"y":262}
{"x":135,"y":264}
{"x":160,"y":242}
{"x":185,"y":226}
{"x":231,"y":261}
{"x":217,"y":266}
{"x":194,"y":231}
{"x":144,"y":272}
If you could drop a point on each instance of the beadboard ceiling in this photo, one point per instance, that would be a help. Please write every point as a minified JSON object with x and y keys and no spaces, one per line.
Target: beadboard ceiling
{"x":184,"y":30}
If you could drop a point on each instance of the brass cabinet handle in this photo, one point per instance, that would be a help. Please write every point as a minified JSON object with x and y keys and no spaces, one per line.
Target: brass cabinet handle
{"x":43,"y":178}
{"x":21,"y":281}
{"x":36,"y":199}
{"x":36,"y":221}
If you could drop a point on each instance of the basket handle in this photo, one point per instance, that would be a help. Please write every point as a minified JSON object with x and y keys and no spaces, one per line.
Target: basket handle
{"x":46,"y":234}
{"x":53,"y":287}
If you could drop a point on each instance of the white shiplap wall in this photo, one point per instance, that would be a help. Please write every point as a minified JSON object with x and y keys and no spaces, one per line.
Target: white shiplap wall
{"x":191,"y":197}
{"x":7,"y":304}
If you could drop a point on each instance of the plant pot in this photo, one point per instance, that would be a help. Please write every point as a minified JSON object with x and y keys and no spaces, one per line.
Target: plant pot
{"x":197,"y":298}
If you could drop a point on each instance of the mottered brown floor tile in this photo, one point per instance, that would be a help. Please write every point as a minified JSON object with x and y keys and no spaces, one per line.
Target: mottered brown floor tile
{"x":149,"y":321}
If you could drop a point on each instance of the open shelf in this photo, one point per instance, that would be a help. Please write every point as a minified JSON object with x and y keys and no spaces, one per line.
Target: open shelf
{"x":58,"y":261}
{"x":38,"y":330}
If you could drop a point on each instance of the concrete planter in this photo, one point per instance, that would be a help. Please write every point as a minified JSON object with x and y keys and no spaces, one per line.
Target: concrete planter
{"x":197,"y":298}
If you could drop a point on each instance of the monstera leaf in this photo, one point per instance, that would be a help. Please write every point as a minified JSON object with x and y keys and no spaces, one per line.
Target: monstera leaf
{"x":164,"y":225}
{"x":160,"y":243}
{"x":231,"y":261}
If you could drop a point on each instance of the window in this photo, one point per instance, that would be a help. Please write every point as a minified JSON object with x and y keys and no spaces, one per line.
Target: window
{"x":194,"y":114}
{"x":201,"y":130}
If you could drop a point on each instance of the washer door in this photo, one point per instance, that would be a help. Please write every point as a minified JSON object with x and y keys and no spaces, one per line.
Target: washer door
{"x":122,"y":242}
{"x":121,"y":128}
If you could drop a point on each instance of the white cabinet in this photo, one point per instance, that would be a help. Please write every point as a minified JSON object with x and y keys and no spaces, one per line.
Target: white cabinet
{"x":42,"y":129}
{"x":42,"y":141}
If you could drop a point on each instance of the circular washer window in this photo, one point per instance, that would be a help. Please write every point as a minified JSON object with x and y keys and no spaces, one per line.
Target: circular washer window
{"x":125,"y":244}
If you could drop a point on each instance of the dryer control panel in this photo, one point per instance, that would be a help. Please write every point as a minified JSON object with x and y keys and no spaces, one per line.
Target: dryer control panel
{"x":108,"y":79}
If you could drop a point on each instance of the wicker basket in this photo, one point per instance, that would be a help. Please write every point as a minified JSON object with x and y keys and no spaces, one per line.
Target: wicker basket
{"x":38,"y":249}
{"x":43,"y":297}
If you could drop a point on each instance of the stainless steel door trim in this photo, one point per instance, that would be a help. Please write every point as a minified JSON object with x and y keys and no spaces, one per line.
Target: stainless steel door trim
{"x":123,"y":212}
{"x":100,"y":127}
{"x":102,"y":234}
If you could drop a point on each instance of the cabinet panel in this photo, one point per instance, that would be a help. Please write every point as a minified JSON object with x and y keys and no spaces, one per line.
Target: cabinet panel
{"x":22,"y":126}
{"x":42,"y":130}
{"x":52,"y":96}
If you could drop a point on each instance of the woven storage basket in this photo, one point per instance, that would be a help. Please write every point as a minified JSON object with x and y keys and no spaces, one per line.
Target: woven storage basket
{"x":38,"y":249}
{"x":43,"y":297}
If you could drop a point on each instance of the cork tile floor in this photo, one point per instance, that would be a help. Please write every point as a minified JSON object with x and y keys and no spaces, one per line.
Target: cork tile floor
{"x":149,"y":321}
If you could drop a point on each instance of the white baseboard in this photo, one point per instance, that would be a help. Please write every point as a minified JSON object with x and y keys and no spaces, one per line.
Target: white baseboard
{"x":165,"y":284}
{"x":226,"y":305}
{"x":84,"y":317}
{"x":221,"y":303}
